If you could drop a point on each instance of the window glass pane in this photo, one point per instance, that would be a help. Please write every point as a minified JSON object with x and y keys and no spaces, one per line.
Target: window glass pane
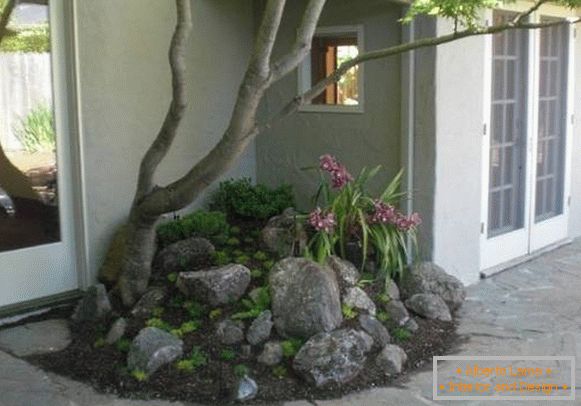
{"x":29,"y":212}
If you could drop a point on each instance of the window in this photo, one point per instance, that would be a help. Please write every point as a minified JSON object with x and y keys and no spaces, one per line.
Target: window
{"x":331,"y":47}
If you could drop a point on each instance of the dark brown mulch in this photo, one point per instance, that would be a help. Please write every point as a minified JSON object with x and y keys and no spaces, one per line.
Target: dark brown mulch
{"x":104,"y":369}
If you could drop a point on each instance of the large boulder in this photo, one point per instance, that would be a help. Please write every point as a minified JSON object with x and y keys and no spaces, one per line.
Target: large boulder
{"x":216,"y":286}
{"x":429,"y":306}
{"x":426,"y":277}
{"x":333,"y":358}
{"x":94,"y":305}
{"x":282,"y":234}
{"x":305,"y":298}
{"x":347,"y":273}
{"x":153,"y":348}
{"x":397,"y":312}
{"x":183,"y":255}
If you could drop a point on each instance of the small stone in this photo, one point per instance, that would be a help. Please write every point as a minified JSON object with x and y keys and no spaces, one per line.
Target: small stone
{"x":429,"y":306}
{"x":94,"y":305}
{"x":391,"y":359}
{"x":271,"y":354}
{"x":247,"y":389}
{"x":375,"y":329}
{"x":230,"y":332}
{"x":391,"y":290}
{"x":283,"y":234}
{"x":117,"y":331}
{"x":260,"y":328}
{"x":36,"y":338}
{"x":333,"y":358}
{"x":215,"y":286}
{"x":246,"y":351}
{"x":357,"y":299}
{"x":183,"y":255}
{"x":152,"y":298}
{"x":153,"y":348}
{"x":398,"y":314}
{"x":347,"y":273}
{"x":412,"y":325}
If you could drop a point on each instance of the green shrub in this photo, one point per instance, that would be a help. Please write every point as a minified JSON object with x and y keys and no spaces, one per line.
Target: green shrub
{"x":139,"y":375}
{"x":240,"y":198}
{"x":222,"y":258}
{"x":280,"y":371}
{"x":207,"y":224}
{"x":99,"y":343}
{"x":227,"y":354}
{"x":28,"y":40}
{"x":291,"y":347}
{"x":382,"y":316}
{"x":241,"y":370}
{"x":158,"y":323}
{"x":348,"y":312}
{"x":256,"y":273}
{"x":215,"y":314}
{"x":194,"y":309}
{"x":36,"y":132}
{"x":253,"y":307}
{"x":197,"y":359}
{"x":402,"y":334}
{"x":123,"y":345}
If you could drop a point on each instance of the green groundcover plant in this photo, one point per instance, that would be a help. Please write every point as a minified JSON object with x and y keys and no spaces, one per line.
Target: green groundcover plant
{"x":346,"y":212}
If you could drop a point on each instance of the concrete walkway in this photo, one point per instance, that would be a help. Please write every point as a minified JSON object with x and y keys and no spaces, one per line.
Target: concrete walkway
{"x":533,"y":309}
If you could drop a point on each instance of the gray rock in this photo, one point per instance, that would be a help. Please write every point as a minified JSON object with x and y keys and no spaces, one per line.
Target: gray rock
{"x":153,"y":348}
{"x":391,"y":290}
{"x":247,"y":389}
{"x":246,"y":351}
{"x":230,"y":332}
{"x":271,"y":354}
{"x":117,"y":331}
{"x":412,"y":325}
{"x":347,"y":273}
{"x":282,"y":234}
{"x":398,"y":314}
{"x":427,"y":277}
{"x":333,"y":358}
{"x":151,"y":299}
{"x":216,"y":286}
{"x":391,"y":359}
{"x":94,"y":305}
{"x":36,"y":338}
{"x":183,"y":255}
{"x":305,"y":298}
{"x":429,"y":306}
{"x":357,"y":299}
{"x":260,"y":328}
{"x":375,"y":329}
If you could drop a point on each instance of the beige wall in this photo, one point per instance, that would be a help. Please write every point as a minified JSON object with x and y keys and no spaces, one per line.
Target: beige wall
{"x":125,"y":90}
{"x":358,"y":140}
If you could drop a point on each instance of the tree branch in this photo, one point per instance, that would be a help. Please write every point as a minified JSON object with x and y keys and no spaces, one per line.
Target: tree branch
{"x":159,"y":148}
{"x":520,"y":17}
{"x":266,"y":37}
{"x":5,"y":17}
{"x":303,"y":42}
{"x":334,"y":77}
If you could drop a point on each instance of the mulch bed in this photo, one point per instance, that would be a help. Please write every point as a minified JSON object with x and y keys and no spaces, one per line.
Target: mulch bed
{"x":104,"y":367}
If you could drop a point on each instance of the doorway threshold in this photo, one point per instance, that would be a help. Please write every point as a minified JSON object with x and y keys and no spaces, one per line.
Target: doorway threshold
{"x":487,"y":273}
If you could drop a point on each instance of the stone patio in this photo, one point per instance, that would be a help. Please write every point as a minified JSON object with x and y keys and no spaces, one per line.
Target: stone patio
{"x":532,"y":309}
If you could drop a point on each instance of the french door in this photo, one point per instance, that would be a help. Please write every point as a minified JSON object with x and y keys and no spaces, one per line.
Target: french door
{"x":37,"y":227}
{"x":525,"y":146}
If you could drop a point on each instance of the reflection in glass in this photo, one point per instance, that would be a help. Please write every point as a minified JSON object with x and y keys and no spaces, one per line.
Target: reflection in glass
{"x":29,"y":213}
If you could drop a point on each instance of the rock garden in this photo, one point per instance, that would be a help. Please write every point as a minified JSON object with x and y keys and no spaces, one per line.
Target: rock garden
{"x":252,"y":299}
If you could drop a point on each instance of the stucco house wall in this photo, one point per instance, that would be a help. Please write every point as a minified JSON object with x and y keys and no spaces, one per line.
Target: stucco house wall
{"x":367,"y":139}
{"x":125,"y":90}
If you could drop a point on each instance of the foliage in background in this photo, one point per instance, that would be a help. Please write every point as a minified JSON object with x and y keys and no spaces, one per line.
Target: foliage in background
{"x":351,"y":214}
{"x":208,"y":224}
{"x":240,"y":198}
{"x":258,"y":303}
{"x":34,"y":39}
{"x":36,"y":131}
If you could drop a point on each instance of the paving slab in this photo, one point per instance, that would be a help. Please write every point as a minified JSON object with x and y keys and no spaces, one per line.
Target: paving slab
{"x":36,"y":338}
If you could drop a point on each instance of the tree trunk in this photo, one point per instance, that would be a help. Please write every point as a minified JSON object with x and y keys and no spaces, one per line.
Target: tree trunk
{"x":137,"y":256}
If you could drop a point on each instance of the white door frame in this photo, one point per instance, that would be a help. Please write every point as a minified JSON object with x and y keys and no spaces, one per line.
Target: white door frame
{"x":33,"y":273}
{"x":531,"y":237}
